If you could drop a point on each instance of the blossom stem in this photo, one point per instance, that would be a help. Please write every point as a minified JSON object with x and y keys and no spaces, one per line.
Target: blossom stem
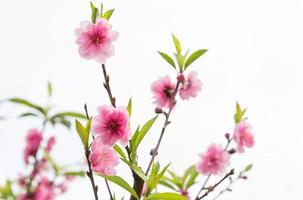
{"x":212,"y":188}
{"x":208,"y":177}
{"x":166,"y":122}
{"x":107,"y":87}
{"x":228,"y":188}
{"x":90,"y":174}
{"x":138,"y":182}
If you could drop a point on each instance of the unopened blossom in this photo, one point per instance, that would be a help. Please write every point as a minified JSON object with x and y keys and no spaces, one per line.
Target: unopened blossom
{"x":33,"y":140}
{"x":50,"y":143}
{"x":103,"y":158}
{"x":190,"y":86}
{"x":243,"y":136}
{"x":95,"y":40}
{"x":112,"y":125}
{"x":213,"y":161}
{"x":163,"y":90}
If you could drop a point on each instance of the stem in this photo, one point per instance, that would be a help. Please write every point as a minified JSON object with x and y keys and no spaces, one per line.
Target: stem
{"x":138,"y":182}
{"x":108,"y":188}
{"x":166,"y":122}
{"x":107,"y":87}
{"x":208,"y":177}
{"x":90,"y":175}
{"x":211,"y":189}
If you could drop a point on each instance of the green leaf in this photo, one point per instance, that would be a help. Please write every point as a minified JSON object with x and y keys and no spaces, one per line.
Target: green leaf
{"x":168,"y":59}
{"x":166,"y":196}
{"x":142,"y":133}
{"x":74,"y":173}
{"x":101,"y":9}
{"x":83,"y":132}
{"x":136,"y":169}
{"x":239,"y":113}
{"x":28,"y":104}
{"x":190,"y":177}
{"x":95,"y":12}
{"x":49,"y":89}
{"x":120,"y":151}
{"x":70,"y":114}
{"x":194,"y":56}
{"x":180,"y":60}
{"x":129,"y":107}
{"x":248,"y":167}
{"x":108,"y":14}
{"x":167,"y":184}
{"x":28,"y":114}
{"x":122,"y":183}
{"x":177,"y":44}
{"x":161,"y":174}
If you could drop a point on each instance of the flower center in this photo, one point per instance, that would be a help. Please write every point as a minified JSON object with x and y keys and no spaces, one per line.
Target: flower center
{"x":97,"y":39}
{"x":112,"y":126}
{"x":168,"y":92}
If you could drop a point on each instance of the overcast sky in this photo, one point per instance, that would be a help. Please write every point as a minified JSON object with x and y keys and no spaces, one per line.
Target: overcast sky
{"x":254,"y":57}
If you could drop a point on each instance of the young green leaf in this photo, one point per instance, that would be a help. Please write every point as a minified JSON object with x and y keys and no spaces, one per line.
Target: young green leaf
{"x":49,"y":89}
{"x":136,"y":169}
{"x":83,"y":132}
{"x":51,"y":161}
{"x":143,"y":131}
{"x":108,"y":14}
{"x":239,"y":113}
{"x":177,"y":44}
{"x":70,"y":114}
{"x":166,"y":196}
{"x":129,"y":107}
{"x":119,"y":151}
{"x":122,"y":183}
{"x":194,"y":56}
{"x":248,"y":167}
{"x":74,"y":173}
{"x":28,"y":114}
{"x":180,"y":60}
{"x":168,"y":59}
{"x":167,"y":184}
{"x":28,"y":104}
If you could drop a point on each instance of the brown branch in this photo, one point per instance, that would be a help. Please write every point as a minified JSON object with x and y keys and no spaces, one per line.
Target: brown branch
{"x":212,"y":188}
{"x":138,"y":182}
{"x":208,"y":177}
{"x":90,"y":175}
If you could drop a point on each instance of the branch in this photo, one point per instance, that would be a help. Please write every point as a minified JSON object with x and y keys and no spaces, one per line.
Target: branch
{"x":212,"y":188}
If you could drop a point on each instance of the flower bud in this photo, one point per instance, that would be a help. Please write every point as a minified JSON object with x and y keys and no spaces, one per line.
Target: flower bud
{"x":158,"y":110}
{"x":180,"y":77}
{"x":227,"y":136}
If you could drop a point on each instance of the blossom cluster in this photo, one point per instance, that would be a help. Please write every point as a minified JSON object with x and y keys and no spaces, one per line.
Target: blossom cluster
{"x":38,"y":184}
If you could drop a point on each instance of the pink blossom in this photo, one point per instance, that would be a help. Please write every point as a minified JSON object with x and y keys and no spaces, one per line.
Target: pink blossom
{"x":103,"y":158}
{"x":190,"y":86}
{"x":50,"y":143}
{"x":45,"y":190}
{"x":112,"y":125}
{"x":33,"y":140}
{"x":95,"y":40}
{"x":243,"y":136}
{"x":213,"y":161}
{"x":163,"y":90}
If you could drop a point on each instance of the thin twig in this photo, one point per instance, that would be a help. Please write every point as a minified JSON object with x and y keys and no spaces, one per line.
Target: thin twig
{"x":212,"y":188}
{"x":208,"y":177}
{"x":166,"y":122}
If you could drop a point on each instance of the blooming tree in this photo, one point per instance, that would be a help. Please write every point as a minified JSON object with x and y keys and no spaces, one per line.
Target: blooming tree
{"x":113,"y":141}
{"x":108,"y":139}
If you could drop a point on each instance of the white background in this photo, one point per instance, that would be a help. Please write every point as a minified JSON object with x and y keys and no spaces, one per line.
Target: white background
{"x":255,"y":57}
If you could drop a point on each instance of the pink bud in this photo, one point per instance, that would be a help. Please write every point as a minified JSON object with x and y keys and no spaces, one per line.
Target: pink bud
{"x":180,"y":77}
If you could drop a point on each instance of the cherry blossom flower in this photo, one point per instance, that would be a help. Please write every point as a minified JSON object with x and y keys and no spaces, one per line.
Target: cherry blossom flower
{"x":112,"y":125}
{"x":163,"y":90}
{"x":95,"y":40}
{"x":103,"y":158}
{"x":33,"y":140}
{"x":213,"y":161}
{"x":50,"y":143}
{"x":243,"y":136}
{"x":190,"y":86}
